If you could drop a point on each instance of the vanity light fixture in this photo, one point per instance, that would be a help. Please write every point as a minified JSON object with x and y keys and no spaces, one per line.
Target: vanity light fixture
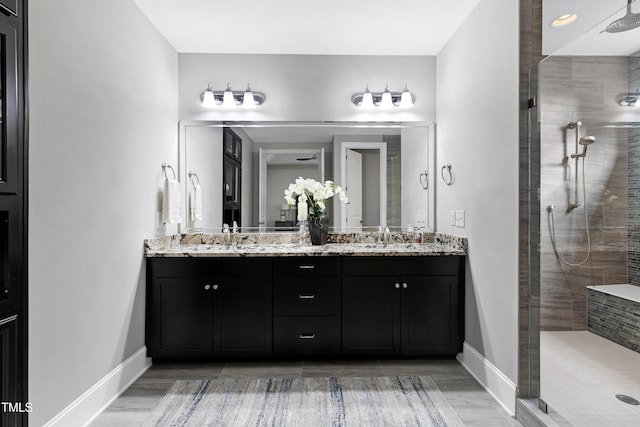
{"x":229,"y":98}
{"x":385,"y":99}
{"x":563,"y":20}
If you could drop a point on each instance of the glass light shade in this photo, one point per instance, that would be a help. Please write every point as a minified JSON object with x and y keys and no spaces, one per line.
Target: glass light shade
{"x":405,"y":100}
{"x":227,"y":98}
{"x":367,"y":99}
{"x":208,"y":101}
{"x":386,"y":101}
{"x":247,"y":100}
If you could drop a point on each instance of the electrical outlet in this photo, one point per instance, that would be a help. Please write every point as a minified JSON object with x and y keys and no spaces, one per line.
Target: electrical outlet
{"x":460,"y":219}
{"x":420,"y":216}
{"x":453,"y":218}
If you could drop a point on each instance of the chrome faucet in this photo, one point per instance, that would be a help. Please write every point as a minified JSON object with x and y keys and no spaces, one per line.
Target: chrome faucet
{"x":387,"y":236}
{"x":226,"y":237}
{"x":235,"y":227}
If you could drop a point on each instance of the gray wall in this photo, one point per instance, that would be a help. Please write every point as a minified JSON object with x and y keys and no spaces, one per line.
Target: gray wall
{"x":296,"y":86}
{"x":581,"y":88}
{"x":477,"y":116}
{"x":203,"y":156}
{"x":103,"y":90}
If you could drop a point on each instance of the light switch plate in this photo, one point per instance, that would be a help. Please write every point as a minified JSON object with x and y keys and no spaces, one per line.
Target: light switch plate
{"x":460,"y":219}
{"x":453,"y":218}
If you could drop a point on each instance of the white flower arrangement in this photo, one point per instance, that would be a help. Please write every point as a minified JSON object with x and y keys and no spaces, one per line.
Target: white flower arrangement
{"x":314,"y":193}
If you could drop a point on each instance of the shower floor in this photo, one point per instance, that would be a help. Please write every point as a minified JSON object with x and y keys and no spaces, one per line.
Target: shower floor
{"x":580,"y":375}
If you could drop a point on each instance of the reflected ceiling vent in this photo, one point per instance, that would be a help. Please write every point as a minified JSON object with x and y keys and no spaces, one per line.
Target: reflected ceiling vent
{"x":627,"y":22}
{"x":305,"y":159}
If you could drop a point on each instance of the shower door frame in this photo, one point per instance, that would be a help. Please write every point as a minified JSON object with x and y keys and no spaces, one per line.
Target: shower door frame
{"x":529,"y":204}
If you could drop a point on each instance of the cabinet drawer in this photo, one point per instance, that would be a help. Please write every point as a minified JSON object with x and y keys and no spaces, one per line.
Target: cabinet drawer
{"x":402,"y":266}
{"x":306,"y":296}
{"x":209,"y":267}
{"x":306,"y":266}
{"x":306,"y":336}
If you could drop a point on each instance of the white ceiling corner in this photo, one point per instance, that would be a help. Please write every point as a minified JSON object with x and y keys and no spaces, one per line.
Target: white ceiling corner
{"x":329,"y":27}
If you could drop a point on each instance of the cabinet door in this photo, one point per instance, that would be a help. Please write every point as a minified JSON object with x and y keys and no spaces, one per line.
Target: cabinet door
{"x":181,"y":324}
{"x":10,"y":257}
{"x":429,"y":315}
{"x":8,"y":109}
{"x":370,"y":316}
{"x":8,"y":370}
{"x":242,"y":317}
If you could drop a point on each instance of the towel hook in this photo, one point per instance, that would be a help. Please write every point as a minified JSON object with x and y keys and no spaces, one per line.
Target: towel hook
{"x":166,"y":165}
{"x":450,"y":178}
{"x":424,"y":180}
{"x":191,"y":175}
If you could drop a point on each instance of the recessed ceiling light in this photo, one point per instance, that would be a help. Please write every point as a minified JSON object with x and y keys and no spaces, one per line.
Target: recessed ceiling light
{"x":564,"y":20}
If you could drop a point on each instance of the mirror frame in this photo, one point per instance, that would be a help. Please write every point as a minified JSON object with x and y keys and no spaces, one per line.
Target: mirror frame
{"x":431,"y":126}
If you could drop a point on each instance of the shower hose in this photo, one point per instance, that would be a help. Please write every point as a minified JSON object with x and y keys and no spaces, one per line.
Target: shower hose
{"x":552,"y":228}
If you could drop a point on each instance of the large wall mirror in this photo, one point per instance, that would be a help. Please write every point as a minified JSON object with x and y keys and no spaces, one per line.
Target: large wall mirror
{"x":242,"y":169}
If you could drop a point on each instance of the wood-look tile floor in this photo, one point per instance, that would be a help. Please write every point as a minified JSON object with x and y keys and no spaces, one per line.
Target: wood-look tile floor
{"x":469,"y":400}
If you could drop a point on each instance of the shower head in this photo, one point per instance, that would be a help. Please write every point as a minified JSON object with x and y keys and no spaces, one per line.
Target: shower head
{"x":586,"y":141}
{"x":627,"y":22}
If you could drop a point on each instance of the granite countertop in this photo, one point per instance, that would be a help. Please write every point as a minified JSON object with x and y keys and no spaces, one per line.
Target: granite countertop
{"x":285,"y":244}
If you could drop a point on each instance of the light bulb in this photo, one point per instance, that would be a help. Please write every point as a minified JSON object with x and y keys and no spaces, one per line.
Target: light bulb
{"x":386,"y":101}
{"x":208,"y":100}
{"x":406,"y":100}
{"x":367,"y":99}
{"x":247,"y":99}
{"x":227,"y":98}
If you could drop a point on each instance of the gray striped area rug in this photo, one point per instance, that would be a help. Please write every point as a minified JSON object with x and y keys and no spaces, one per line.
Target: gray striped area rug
{"x":305,"y":402}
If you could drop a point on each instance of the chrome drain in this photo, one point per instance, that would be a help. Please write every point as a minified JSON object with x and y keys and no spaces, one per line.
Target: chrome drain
{"x":627,"y":399}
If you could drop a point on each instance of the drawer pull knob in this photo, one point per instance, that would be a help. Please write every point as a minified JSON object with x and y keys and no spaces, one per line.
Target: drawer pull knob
{"x":215,"y":287}
{"x":207,"y":287}
{"x":397,"y":285}
{"x":306,"y":267}
{"x":404,"y":285}
{"x":307,"y":336}
{"x":306,"y":296}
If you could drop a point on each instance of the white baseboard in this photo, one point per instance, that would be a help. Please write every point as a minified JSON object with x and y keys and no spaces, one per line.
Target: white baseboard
{"x":495,"y":382}
{"x":93,"y":401}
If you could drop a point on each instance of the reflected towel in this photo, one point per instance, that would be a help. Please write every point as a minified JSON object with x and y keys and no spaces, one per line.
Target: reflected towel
{"x":171,"y":202}
{"x":196,"y":203}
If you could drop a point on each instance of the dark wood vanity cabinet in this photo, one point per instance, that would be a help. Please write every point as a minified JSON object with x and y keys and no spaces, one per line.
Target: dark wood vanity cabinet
{"x":202,"y":308}
{"x":408,"y":306}
{"x":308,"y":306}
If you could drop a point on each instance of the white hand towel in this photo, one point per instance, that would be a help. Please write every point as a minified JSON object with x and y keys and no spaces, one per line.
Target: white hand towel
{"x":171,"y":202}
{"x":196,"y":203}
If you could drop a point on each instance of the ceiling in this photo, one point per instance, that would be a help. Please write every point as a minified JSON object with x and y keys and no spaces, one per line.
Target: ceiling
{"x":328,"y":27}
{"x":367,"y":27}
{"x":311,"y":134}
{"x":583,"y":36}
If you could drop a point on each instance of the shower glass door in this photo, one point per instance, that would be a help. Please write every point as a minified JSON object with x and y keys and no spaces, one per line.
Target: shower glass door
{"x":585,"y":160}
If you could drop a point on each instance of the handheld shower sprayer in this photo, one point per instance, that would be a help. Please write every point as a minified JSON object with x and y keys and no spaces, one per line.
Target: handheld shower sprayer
{"x":585,"y":141}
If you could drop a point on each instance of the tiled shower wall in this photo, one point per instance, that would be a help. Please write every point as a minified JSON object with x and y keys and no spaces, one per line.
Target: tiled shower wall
{"x":581,"y":89}
{"x":634,"y":180}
